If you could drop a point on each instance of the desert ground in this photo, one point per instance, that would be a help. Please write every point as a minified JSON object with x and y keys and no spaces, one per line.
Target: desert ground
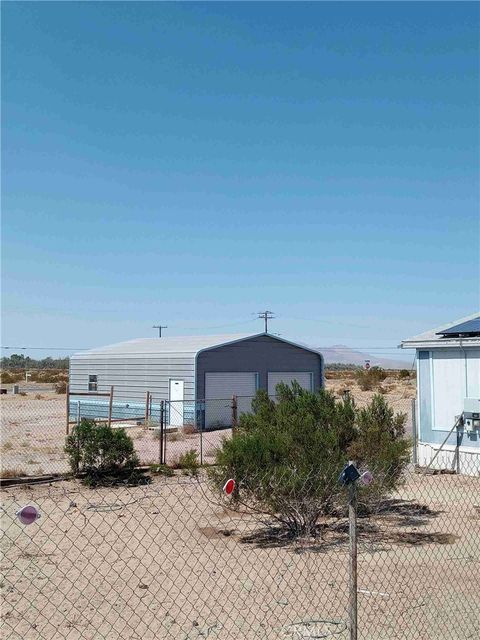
{"x":171,"y":560}
{"x":33,"y":426}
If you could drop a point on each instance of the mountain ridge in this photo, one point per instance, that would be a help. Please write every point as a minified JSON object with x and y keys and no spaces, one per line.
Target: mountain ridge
{"x":341,"y":354}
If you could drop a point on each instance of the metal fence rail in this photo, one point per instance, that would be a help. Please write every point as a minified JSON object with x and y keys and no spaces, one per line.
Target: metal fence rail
{"x":176,"y":560}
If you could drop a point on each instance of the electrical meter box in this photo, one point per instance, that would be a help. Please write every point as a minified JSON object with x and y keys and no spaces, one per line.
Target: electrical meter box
{"x":471,"y":413}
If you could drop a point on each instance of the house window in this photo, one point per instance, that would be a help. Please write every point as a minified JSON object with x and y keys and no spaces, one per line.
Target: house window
{"x":92,"y":383}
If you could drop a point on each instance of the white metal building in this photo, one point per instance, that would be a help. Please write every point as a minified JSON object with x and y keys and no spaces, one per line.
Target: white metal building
{"x":448,"y":386}
{"x":186,"y":369}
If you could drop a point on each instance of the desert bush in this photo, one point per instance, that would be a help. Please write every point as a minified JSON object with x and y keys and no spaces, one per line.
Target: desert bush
{"x":380,"y":445}
{"x":161,"y":470}
{"x":286,"y":456}
{"x":174,"y":436}
{"x":7,"y":377}
{"x":61,"y":387}
{"x":101,"y":452}
{"x":369,"y":379}
{"x":403,"y":374}
{"x":188,"y":461}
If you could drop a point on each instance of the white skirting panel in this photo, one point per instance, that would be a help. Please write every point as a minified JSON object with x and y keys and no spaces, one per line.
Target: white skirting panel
{"x":468,"y":458}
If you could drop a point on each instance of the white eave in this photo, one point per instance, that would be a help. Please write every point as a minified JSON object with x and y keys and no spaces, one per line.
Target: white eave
{"x":431,"y":339}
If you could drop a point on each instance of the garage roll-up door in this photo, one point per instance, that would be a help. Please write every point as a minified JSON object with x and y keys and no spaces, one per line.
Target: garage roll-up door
{"x":304,"y":379}
{"x":219,"y":389}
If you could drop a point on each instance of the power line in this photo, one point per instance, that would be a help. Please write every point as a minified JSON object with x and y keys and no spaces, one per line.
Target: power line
{"x":218,"y":326}
{"x":346,"y":349}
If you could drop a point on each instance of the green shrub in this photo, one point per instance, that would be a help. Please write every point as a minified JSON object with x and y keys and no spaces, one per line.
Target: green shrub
{"x":161,"y":470}
{"x":380,"y":443}
{"x":188,"y":461}
{"x":101,"y":452}
{"x":403,"y":374}
{"x":286,"y":456}
{"x":369,"y":379}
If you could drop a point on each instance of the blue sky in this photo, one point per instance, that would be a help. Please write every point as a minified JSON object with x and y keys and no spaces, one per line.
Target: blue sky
{"x":191,"y":164}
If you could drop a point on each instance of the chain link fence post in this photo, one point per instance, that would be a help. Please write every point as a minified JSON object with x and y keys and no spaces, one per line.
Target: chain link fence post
{"x":147,"y":407}
{"x":352,"y":568}
{"x":160,"y":432}
{"x":67,"y":409}
{"x":201,"y":437}
{"x":110,"y":407}
{"x":414,"y":431}
{"x":167,"y":406}
{"x":234,"y":412}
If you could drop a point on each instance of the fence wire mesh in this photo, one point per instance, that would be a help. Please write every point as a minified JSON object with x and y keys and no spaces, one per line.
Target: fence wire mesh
{"x":176,"y":559}
{"x":33,"y":427}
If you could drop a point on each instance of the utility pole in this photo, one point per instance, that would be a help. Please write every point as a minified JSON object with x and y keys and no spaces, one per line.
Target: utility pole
{"x":266,"y":316}
{"x":159,"y":327}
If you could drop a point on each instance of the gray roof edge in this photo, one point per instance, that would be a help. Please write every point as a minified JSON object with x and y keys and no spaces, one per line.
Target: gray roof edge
{"x":268,"y":335}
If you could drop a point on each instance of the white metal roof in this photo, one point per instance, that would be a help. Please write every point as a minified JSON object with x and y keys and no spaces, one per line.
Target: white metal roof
{"x":431,"y":339}
{"x":174,"y":345}
{"x":159,"y":346}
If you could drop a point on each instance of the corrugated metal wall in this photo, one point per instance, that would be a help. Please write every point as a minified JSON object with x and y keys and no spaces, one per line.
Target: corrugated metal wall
{"x":132,"y":377}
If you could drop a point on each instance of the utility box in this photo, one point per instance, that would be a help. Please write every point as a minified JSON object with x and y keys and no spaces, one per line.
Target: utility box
{"x":471,"y":413}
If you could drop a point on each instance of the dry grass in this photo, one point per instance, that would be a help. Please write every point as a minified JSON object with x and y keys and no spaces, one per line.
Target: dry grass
{"x":17,"y":472}
{"x":175,"y":436}
{"x":189,"y":429}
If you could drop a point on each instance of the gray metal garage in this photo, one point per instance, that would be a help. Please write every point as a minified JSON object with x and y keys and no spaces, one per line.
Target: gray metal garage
{"x":189,"y":369}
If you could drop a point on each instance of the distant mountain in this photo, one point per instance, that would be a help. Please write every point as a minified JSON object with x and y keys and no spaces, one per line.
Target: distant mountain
{"x":344,"y":355}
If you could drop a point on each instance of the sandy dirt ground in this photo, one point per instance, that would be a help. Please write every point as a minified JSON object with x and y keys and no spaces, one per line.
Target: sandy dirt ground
{"x":32,"y":433}
{"x":169,"y":561}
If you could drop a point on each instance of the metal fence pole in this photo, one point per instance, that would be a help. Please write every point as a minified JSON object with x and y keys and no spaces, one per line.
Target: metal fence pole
{"x":234,"y":412}
{"x":414,"y":431}
{"x":352,"y":530}
{"x":67,"y":398}
{"x":147,"y":406}
{"x":110,"y":407}
{"x":201,"y":438}
{"x":79,"y":413}
{"x":160,"y":434}
{"x":165,"y":429}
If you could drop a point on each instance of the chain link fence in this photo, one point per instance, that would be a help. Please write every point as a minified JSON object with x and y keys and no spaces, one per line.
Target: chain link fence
{"x":34,"y":427}
{"x":176,"y":559}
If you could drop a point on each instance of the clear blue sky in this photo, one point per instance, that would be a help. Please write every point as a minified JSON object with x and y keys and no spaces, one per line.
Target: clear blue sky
{"x":190,"y":164}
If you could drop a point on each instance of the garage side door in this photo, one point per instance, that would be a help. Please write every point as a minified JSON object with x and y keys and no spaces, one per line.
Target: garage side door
{"x":304,"y":379}
{"x":219,"y":389}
